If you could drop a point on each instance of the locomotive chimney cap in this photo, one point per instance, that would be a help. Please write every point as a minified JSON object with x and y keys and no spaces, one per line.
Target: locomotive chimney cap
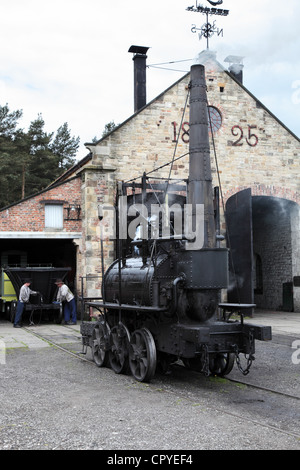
{"x":138,"y":50}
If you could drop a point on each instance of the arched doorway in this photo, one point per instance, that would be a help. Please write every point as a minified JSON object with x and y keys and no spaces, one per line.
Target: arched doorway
{"x":263,"y":234}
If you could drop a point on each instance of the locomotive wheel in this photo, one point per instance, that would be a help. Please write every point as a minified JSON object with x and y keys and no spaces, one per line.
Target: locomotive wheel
{"x":100,"y":339}
{"x":119,"y":345}
{"x":142,"y":355}
{"x":221,"y":364}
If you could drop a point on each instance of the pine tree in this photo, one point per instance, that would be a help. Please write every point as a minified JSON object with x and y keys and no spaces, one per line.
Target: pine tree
{"x":41,"y":167}
{"x":65,"y":147}
{"x":10,"y":163}
{"x":30,"y":161}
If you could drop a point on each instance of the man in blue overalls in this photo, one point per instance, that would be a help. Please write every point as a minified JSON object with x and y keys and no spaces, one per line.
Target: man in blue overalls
{"x":25,"y":293}
{"x":65,"y":296}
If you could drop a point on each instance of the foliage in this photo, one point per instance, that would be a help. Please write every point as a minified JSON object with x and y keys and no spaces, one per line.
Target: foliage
{"x":109,"y":127}
{"x":30,"y":161}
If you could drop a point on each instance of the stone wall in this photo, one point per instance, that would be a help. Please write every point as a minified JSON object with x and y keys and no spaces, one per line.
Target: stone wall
{"x":295,"y":229}
{"x":262,"y":153}
{"x":98,"y":188}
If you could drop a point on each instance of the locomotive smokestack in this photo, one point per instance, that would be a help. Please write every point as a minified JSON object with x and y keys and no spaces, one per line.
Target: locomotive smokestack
{"x":139,"y":60}
{"x":200,"y":178}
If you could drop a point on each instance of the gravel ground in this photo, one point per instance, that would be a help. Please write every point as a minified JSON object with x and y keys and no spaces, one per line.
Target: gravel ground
{"x":51,"y":400}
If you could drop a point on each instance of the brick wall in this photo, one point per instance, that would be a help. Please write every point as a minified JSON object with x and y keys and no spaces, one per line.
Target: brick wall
{"x":29,"y":215}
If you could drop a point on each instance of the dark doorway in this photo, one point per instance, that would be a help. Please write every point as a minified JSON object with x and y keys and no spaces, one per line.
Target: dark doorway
{"x":34,"y":252}
{"x":272,"y":248}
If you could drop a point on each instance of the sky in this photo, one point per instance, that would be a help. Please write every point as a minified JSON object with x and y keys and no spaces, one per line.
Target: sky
{"x":68,"y":60}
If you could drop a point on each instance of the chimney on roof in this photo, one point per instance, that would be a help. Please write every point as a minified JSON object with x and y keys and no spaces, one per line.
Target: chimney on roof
{"x":235,"y":67}
{"x":139,"y":60}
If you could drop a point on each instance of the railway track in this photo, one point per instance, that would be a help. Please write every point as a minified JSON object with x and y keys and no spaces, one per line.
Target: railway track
{"x":81,"y":356}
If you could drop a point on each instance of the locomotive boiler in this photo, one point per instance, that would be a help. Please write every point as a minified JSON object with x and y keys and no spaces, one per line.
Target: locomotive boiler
{"x":161,"y":297}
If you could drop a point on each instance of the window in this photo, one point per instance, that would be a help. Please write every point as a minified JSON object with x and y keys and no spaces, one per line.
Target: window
{"x":54,"y":216}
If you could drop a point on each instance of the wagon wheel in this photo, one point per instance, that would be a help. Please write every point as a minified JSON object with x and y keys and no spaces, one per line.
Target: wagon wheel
{"x":100,"y":344}
{"x":221,"y":363}
{"x":58,"y":314}
{"x":142,"y":355}
{"x":118,"y":353}
{"x":13,"y":310}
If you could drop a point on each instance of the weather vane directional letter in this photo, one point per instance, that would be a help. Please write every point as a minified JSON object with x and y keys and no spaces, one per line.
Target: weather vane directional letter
{"x":208,"y":29}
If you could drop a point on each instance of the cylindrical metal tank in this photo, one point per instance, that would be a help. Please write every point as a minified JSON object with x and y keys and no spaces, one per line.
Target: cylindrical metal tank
{"x":139,"y":282}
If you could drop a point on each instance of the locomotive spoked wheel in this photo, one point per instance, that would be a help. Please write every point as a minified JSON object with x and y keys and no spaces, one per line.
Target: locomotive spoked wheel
{"x":221,"y":363}
{"x":142,"y":355}
{"x":100,"y":340}
{"x":119,"y":344}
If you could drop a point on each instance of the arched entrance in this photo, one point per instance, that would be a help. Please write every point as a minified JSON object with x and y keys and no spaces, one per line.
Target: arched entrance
{"x":263,"y":234}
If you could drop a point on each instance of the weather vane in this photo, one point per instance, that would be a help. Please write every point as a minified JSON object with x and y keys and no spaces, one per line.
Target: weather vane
{"x":208,"y":29}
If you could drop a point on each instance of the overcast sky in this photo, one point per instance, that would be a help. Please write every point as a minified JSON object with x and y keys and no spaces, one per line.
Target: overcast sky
{"x":69,"y":60}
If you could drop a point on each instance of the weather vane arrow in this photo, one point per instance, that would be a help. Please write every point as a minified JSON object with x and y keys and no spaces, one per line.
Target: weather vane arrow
{"x":208,"y":30}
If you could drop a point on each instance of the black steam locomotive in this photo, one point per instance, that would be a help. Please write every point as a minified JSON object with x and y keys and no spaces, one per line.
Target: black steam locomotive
{"x":161,"y":297}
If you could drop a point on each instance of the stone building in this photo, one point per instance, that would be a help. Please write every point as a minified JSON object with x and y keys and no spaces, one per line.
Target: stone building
{"x":255,"y":161}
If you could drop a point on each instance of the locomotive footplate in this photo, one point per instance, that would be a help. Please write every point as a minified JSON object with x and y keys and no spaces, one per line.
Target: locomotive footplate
{"x":188,"y":340}
{"x":237,"y":336}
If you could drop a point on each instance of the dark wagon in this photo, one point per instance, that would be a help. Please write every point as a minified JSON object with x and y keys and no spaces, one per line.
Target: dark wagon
{"x":43,"y":281}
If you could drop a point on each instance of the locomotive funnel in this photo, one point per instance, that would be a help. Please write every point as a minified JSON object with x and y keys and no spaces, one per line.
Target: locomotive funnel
{"x":203,"y":265}
{"x":200,"y":179}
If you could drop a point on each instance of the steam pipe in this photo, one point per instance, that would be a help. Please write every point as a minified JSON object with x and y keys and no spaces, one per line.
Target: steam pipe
{"x":173,"y":309}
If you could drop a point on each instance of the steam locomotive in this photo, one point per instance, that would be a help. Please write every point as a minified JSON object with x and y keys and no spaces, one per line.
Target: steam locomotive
{"x":161,"y":297}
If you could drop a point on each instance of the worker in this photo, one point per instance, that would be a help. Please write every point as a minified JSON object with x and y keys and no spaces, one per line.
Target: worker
{"x":66,"y":297}
{"x":25,"y":293}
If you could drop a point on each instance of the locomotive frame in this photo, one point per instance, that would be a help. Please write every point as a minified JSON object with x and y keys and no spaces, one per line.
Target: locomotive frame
{"x":161,"y":297}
